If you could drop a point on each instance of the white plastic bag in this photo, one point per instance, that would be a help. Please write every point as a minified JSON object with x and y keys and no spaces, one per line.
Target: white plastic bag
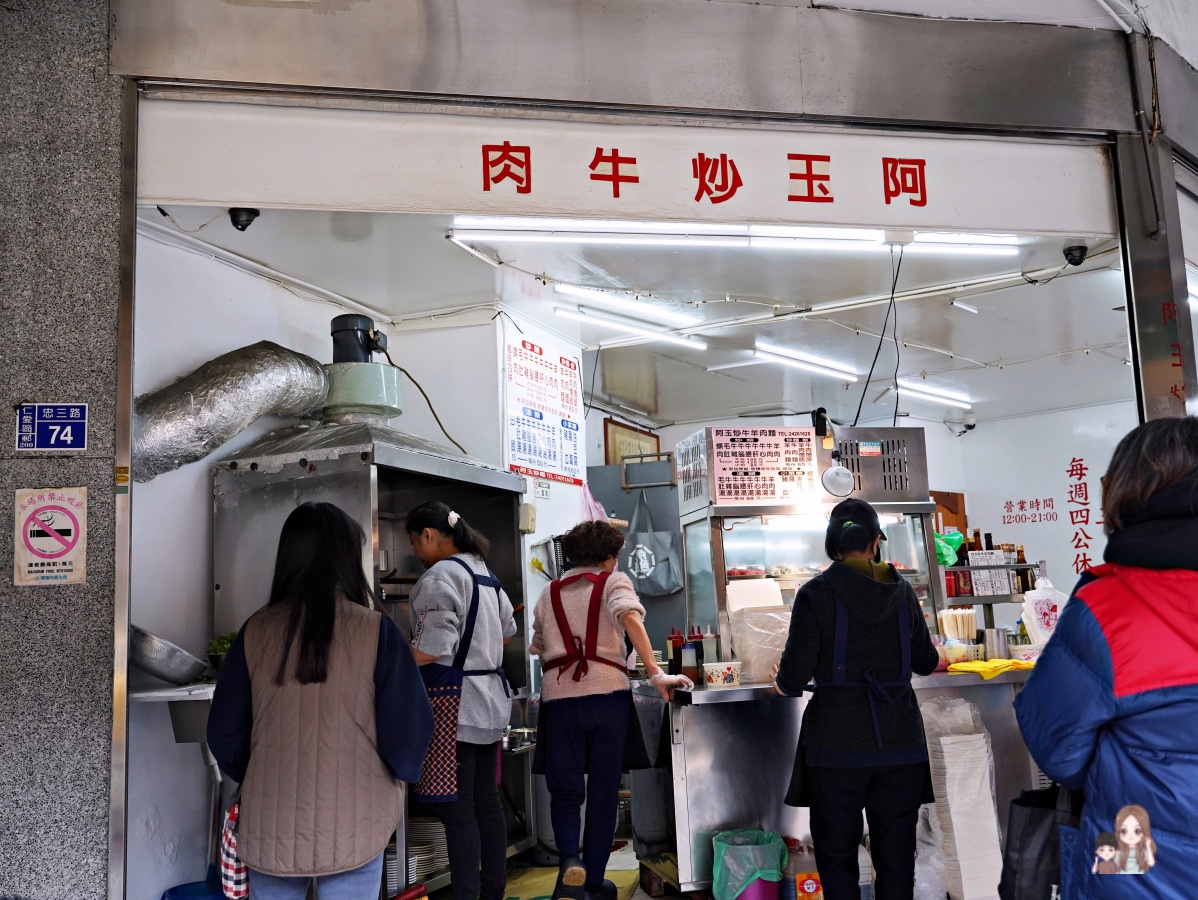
{"x":1041,"y":609}
{"x":758,"y":638}
{"x":931,"y":868}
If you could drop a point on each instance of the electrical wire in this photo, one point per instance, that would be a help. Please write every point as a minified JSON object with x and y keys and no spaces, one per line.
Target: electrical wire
{"x":426,"y":400}
{"x":589,"y":405}
{"x":173,"y":221}
{"x":1048,"y":280}
{"x":898,"y":356}
{"x":882,"y":336}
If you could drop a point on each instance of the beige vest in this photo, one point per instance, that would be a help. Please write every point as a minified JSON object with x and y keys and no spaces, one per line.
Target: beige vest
{"x":317,"y":798}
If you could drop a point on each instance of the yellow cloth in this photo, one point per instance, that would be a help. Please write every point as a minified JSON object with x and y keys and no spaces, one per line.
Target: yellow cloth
{"x":538,"y":884}
{"x":991,"y":667}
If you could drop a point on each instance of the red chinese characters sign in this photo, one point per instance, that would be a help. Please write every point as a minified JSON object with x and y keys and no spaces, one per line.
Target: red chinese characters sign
{"x":505,"y":162}
{"x":1080,"y":514}
{"x":807,"y":177}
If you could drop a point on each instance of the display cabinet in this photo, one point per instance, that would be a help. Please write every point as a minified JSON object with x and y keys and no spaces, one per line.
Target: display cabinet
{"x":762,"y":512}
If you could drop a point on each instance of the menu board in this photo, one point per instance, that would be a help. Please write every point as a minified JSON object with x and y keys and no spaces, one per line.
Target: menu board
{"x":764,"y":465}
{"x":543,"y":400}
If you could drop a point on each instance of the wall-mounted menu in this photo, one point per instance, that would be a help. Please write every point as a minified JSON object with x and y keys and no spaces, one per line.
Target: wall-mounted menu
{"x":764,"y":465}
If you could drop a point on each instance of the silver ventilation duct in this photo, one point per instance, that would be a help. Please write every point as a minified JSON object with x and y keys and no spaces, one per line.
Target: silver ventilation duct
{"x":189,"y":419}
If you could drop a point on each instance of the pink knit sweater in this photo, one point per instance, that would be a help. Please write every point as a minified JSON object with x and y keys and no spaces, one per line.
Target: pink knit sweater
{"x":619,"y":600}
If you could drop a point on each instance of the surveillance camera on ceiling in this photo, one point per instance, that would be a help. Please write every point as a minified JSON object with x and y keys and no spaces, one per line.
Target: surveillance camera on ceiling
{"x":970,"y":421}
{"x":1075,"y":256}
{"x":242,"y":217}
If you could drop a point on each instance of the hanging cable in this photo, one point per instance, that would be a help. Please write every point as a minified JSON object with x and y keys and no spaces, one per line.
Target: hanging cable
{"x":426,"y":400}
{"x":173,"y":221}
{"x":898,"y":356}
{"x":882,"y":336}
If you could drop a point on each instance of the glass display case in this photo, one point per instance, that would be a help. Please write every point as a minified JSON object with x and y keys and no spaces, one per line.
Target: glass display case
{"x":731,"y":539}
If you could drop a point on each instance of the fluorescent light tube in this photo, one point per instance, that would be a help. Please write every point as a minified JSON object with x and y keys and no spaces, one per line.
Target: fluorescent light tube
{"x":961,"y":249}
{"x":783,"y":243}
{"x":922,"y":388}
{"x":603,"y":321}
{"x":872,"y":235}
{"x":964,"y":306}
{"x":805,"y":357}
{"x":1194,"y":300}
{"x":739,"y":364}
{"x":806,"y":366}
{"x":949,"y":237}
{"x":596,"y":237}
{"x":628,"y":303}
{"x":932,"y":398}
{"x":533,"y":223}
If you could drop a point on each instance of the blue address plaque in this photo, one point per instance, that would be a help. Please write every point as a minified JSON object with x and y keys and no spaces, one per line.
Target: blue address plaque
{"x":52,"y":426}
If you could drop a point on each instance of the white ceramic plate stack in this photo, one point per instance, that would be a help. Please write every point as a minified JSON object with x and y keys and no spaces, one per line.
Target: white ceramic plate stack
{"x":430,"y":832}
{"x":391,"y":868}
{"x":965,"y":807}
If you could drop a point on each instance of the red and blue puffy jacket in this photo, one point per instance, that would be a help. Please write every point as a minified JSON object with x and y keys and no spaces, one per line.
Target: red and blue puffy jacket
{"x":1112,"y":709}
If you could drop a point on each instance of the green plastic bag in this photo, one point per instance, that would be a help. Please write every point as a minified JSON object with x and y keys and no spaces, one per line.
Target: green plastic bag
{"x":947,"y":546}
{"x":743,"y":856}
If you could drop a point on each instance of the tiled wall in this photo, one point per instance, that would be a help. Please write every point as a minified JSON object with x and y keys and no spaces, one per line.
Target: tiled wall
{"x":59,"y":282}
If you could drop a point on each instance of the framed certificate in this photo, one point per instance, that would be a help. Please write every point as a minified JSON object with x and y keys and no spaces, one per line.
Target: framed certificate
{"x":621,"y":440}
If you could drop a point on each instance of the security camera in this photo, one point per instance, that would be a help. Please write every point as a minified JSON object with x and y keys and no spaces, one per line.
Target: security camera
{"x":242,"y":217}
{"x":1075,"y":256}
{"x":970,"y":421}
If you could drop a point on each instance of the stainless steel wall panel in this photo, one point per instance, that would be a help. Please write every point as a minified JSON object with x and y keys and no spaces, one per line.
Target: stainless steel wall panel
{"x":670,"y":53}
{"x":991,"y":74}
{"x":1162,"y":337}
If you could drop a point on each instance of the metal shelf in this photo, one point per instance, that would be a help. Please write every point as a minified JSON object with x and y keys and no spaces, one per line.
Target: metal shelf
{"x":983,"y":599}
{"x":1005,"y":568}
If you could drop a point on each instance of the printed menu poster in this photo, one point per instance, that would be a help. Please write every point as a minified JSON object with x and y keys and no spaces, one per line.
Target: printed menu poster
{"x":764,"y":465}
{"x":543,"y":396}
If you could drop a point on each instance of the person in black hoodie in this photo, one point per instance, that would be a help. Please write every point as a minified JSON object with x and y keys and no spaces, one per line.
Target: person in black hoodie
{"x":858,"y":629}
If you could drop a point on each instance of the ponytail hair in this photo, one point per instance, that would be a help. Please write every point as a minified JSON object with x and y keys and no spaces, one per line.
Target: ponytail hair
{"x":436,"y":515}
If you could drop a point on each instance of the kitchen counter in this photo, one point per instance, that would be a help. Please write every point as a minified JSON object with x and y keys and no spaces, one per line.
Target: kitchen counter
{"x":732,"y":751}
{"x":703,"y":695}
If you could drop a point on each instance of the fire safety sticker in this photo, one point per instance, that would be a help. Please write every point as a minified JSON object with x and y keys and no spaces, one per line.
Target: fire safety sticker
{"x":50,"y":538}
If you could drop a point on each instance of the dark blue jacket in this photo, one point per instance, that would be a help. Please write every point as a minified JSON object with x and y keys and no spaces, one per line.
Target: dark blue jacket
{"x":1112,"y":709}
{"x":403,"y":716}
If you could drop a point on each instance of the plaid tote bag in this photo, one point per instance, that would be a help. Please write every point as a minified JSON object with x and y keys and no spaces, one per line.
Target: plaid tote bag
{"x":234,"y":876}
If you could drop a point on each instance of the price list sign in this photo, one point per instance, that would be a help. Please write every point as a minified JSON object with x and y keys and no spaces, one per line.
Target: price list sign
{"x":543,"y":396}
{"x":764,"y":465}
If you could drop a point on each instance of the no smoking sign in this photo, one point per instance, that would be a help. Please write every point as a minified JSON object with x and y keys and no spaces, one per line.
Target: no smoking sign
{"x":50,"y":539}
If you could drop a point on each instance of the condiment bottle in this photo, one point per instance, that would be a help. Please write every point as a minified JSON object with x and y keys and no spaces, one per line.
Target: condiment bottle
{"x":696,"y":638}
{"x":950,"y":584}
{"x":711,"y":646}
{"x":675,"y":651}
{"x":1025,"y":575}
{"x":690,"y":662}
{"x":964,"y":584}
{"x":989,"y":541}
{"x":977,"y":539}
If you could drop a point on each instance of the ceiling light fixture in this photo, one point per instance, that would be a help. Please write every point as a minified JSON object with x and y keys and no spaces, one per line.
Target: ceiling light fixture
{"x":1194,"y":300}
{"x":817,"y":369}
{"x":604,"y":321}
{"x":702,"y":234}
{"x":964,"y":306}
{"x":803,"y":356}
{"x":934,"y":395}
{"x":629,"y":303}
{"x":932,"y":399}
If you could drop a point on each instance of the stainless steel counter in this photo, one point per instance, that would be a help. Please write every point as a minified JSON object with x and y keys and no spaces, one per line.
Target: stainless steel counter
{"x":732,"y":752}
{"x":704,"y":695}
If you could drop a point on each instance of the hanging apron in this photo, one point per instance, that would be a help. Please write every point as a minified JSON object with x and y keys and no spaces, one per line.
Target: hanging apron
{"x":580,"y":653}
{"x":439,"y":777}
{"x":876,"y":692}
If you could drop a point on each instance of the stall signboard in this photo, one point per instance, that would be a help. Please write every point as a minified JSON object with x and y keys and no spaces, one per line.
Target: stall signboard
{"x":764,"y":465}
{"x":544,"y":413}
{"x":52,"y":426}
{"x":430,"y":163}
{"x":50,"y":538}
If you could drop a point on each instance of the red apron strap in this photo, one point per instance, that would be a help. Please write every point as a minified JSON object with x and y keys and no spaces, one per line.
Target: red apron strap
{"x":599,"y":583}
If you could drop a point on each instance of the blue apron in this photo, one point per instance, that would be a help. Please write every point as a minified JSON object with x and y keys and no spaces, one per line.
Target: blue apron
{"x":439,"y":778}
{"x":876,"y":691}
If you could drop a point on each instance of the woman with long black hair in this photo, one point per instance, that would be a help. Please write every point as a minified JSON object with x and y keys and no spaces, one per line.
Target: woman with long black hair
{"x":319,"y":713}
{"x":461,"y":619}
